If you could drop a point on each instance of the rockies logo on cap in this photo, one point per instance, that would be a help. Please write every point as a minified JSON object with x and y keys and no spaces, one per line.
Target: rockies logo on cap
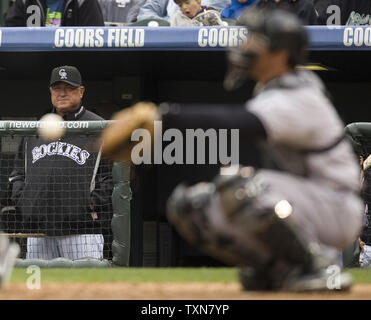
{"x":63,"y":74}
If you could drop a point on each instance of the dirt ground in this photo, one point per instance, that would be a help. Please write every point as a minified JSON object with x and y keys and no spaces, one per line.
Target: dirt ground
{"x":163,"y":291}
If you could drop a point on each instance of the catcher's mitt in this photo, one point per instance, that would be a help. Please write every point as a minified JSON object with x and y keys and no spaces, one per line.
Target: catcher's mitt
{"x":116,"y":137}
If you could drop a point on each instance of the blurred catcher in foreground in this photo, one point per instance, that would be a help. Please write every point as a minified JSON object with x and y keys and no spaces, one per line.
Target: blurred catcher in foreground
{"x":8,"y":255}
{"x":284,"y":228}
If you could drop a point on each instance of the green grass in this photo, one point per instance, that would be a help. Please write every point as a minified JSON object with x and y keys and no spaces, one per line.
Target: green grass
{"x":360,"y":275}
{"x":224,"y":275}
{"x":130,"y":274}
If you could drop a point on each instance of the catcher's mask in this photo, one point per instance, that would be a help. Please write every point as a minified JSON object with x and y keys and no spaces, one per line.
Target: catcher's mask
{"x":275,"y":30}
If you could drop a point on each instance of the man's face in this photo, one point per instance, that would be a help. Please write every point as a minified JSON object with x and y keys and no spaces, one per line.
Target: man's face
{"x":256,"y":46}
{"x":66,"y":98}
{"x":190,"y":7}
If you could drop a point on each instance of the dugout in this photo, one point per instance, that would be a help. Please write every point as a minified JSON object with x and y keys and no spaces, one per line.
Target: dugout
{"x":179,"y":65}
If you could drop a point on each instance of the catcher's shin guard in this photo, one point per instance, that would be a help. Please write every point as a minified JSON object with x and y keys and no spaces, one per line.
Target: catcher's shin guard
{"x":225,"y":220}
{"x":195,"y":213}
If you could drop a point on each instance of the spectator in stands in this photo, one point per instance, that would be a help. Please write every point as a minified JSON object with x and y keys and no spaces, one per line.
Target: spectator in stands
{"x":322,"y":6}
{"x":125,"y":11}
{"x":234,"y":10}
{"x":63,"y":187}
{"x":164,"y":9}
{"x":304,"y":9}
{"x":191,"y":14}
{"x":352,"y":12}
{"x":356,"y":12}
{"x":54,"y":13}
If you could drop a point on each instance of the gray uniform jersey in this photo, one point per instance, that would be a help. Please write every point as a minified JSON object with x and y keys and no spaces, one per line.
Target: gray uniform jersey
{"x":301,"y":123}
{"x":320,"y":176}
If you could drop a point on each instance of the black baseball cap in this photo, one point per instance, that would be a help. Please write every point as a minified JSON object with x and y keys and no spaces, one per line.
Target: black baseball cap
{"x":67,"y":74}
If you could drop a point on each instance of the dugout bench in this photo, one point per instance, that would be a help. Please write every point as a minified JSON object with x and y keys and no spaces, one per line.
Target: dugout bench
{"x":122,"y":65}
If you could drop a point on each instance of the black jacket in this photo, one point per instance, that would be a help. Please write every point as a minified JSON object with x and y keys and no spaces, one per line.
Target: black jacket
{"x":356,"y":12}
{"x":304,"y":9}
{"x":322,"y":6}
{"x":56,"y":184}
{"x":75,"y":13}
{"x":352,"y":12}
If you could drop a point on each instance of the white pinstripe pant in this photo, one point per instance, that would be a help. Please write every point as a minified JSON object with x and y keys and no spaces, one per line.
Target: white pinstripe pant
{"x":70,"y":247}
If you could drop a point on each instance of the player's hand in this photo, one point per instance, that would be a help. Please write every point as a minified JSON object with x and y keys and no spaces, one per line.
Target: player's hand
{"x":116,"y":138}
{"x":93,"y":213}
{"x":8,"y":210}
{"x":361,"y":244}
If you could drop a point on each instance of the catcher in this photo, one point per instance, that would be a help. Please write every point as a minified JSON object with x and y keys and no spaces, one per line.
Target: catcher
{"x":284,"y":227}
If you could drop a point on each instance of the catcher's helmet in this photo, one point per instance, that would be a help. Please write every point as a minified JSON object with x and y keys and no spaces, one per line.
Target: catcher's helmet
{"x":274,"y":29}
